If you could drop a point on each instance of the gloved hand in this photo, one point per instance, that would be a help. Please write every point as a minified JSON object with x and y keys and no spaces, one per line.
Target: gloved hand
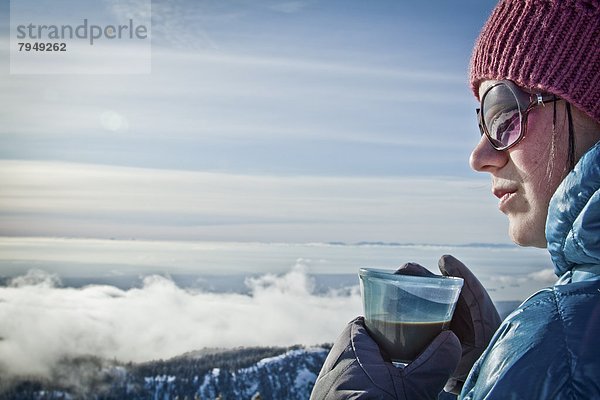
{"x":475,"y":320}
{"x":356,"y":369}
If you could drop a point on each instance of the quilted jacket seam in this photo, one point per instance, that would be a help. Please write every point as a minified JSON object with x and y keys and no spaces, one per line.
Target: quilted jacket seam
{"x":568,"y":357}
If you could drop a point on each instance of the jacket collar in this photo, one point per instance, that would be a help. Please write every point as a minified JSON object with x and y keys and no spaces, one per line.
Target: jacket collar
{"x":573,"y":224}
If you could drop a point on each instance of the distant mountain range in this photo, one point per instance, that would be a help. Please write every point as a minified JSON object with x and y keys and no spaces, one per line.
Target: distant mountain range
{"x":398,"y":244}
{"x":244,"y":373}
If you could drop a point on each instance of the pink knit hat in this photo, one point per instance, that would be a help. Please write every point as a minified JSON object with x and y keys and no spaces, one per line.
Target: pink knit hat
{"x":552,"y":45}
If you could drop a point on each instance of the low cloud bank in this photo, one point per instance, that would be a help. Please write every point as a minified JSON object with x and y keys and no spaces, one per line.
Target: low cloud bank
{"x":543,"y":276}
{"x":43,"y":322}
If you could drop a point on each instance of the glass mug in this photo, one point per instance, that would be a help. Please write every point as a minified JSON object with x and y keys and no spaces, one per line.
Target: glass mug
{"x":404,"y":313}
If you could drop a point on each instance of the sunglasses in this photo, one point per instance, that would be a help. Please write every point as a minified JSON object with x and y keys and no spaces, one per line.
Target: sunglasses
{"x":502,"y":115}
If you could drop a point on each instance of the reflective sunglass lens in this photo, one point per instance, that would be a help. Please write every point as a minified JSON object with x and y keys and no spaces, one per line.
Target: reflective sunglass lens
{"x":506,"y":129}
{"x":501,"y":116}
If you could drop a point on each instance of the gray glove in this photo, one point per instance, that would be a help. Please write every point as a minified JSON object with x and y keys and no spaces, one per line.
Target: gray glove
{"x":356,"y":369}
{"x":475,"y":320}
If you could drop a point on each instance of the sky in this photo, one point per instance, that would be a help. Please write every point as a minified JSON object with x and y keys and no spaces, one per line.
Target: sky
{"x":260,"y":120}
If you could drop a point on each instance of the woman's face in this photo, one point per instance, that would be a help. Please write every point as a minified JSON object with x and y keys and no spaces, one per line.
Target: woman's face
{"x":525,"y":176}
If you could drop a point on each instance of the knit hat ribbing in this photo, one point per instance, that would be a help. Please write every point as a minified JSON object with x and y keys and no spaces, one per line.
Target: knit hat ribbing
{"x":551,"y":45}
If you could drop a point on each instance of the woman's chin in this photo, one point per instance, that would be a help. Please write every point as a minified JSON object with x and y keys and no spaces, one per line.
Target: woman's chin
{"x":525,"y":237}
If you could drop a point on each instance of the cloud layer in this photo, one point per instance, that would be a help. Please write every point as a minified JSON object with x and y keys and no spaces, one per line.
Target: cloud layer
{"x":43,"y":322}
{"x":85,"y":200}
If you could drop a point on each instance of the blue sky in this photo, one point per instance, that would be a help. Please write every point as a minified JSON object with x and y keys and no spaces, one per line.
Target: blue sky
{"x":260,"y":120}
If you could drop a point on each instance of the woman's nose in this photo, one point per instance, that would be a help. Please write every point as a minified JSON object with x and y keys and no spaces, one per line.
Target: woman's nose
{"x":484,"y":158}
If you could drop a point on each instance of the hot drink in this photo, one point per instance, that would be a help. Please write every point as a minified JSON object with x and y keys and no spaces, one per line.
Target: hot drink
{"x":404,"y":313}
{"x":403,"y":341}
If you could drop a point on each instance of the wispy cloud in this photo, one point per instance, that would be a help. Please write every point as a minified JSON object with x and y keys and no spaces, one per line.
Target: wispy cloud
{"x":544,"y":276}
{"x":283,"y":74}
{"x":64,"y":199}
{"x":254,"y":87}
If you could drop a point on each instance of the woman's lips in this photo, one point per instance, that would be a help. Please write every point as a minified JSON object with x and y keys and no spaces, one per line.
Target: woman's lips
{"x":505,"y":196}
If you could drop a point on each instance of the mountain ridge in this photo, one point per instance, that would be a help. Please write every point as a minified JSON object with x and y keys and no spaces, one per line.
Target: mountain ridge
{"x":241,"y":373}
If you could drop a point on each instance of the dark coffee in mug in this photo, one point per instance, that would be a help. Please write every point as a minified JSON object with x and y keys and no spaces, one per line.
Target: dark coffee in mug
{"x":403,"y":341}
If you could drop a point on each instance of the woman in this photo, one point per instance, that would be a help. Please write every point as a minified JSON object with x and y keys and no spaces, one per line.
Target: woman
{"x":536,"y":71}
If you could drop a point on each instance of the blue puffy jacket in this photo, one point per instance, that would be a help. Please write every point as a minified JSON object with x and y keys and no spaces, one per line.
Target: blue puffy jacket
{"x":549,"y":347}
